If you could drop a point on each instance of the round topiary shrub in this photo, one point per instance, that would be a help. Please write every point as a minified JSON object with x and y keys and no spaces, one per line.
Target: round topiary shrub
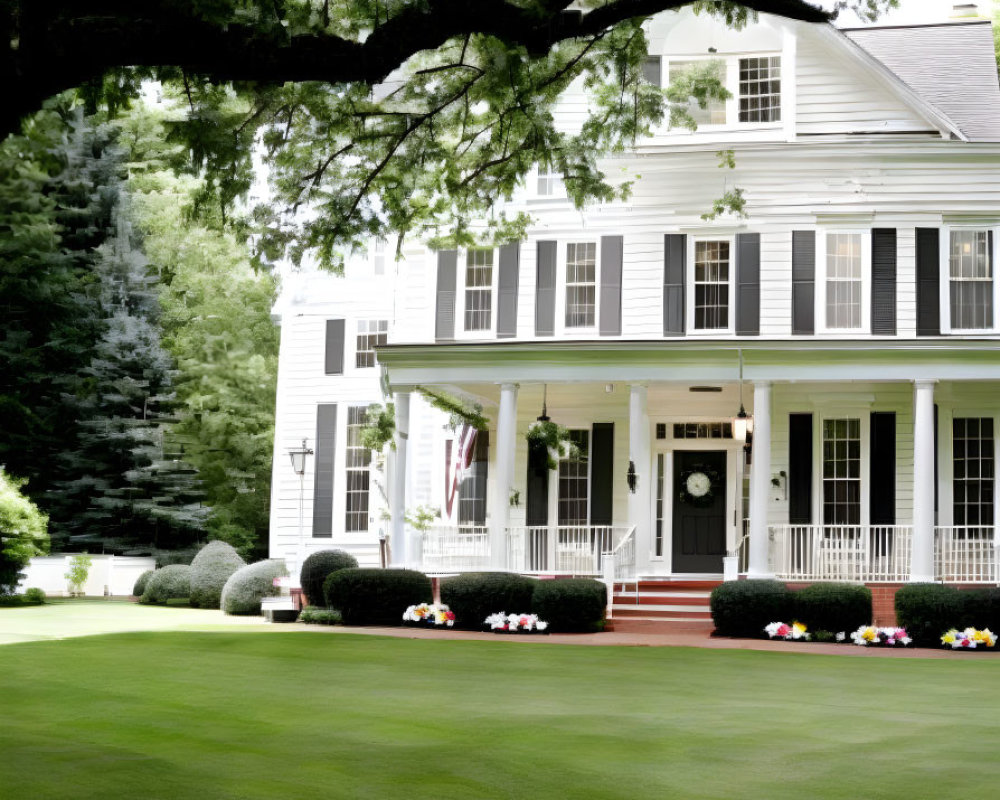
{"x":169,"y":583}
{"x":928,"y":610}
{"x":833,"y":607}
{"x":34,"y":596}
{"x":140,"y":584}
{"x":743,"y":608}
{"x":473,"y":596}
{"x":210,"y":570}
{"x":318,"y":567}
{"x":570,"y":605}
{"x":375,"y":596}
{"x":250,"y":584}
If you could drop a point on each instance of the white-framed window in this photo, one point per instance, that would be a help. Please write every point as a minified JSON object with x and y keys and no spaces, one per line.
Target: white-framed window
{"x":753,"y":81}
{"x":714,"y":112}
{"x":580,"y":285}
{"x":358,"y":464}
{"x":573,"y":504}
{"x":711,"y":284}
{"x":840,"y":476}
{"x":378,"y":256}
{"x":550,"y":182}
{"x":971,"y":285}
{"x":973,"y":472}
{"x":372,"y":333}
{"x":760,"y":89}
{"x":843,"y":281}
{"x":479,"y":275}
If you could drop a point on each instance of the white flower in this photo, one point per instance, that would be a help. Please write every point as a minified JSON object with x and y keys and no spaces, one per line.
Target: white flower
{"x":542,"y":625}
{"x":841,"y":636}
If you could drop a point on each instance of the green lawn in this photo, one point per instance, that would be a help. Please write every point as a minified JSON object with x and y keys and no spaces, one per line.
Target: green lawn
{"x":300,"y":715}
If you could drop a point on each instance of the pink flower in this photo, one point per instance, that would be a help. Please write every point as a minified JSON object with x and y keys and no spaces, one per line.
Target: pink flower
{"x":784,"y":630}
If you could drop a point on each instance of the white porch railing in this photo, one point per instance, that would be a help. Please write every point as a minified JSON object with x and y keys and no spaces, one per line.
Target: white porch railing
{"x":563,"y":549}
{"x":878,"y":553}
{"x":965,"y":554}
{"x":456,"y":548}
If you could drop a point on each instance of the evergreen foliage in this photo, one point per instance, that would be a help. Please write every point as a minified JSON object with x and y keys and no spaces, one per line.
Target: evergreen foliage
{"x":833,"y":607}
{"x":743,"y":608}
{"x":375,"y":596}
{"x":141,"y":582}
{"x":317,"y":567}
{"x":570,"y":605}
{"x":22,"y":532}
{"x":473,"y":596}
{"x":249,"y":585}
{"x":169,"y":583}
{"x":210,"y":570}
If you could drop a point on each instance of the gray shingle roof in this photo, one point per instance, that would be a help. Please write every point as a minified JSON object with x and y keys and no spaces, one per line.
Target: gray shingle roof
{"x":951,"y":66}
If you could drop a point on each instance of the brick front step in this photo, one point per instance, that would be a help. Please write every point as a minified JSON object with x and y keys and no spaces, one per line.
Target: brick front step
{"x":662,"y":612}
{"x":663,"y":626}
{"x":668,"y":584}
{"x":660,"y":598}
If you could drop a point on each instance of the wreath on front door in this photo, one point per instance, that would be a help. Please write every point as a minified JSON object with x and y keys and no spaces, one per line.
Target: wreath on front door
{"x":697,"y":486}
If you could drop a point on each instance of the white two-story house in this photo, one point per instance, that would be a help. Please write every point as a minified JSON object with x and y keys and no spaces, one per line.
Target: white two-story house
{"x":853,"y":314}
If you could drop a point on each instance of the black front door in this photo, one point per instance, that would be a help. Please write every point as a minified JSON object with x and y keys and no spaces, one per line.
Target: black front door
{"x":699,"y":530}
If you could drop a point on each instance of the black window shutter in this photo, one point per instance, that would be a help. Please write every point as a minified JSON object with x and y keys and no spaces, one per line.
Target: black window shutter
{"x":611,"y":285}
{"x":935,"y":458}
{"x":884,"y":281}
{"x":928,"y":282}
{"x":800,"y":468}
{"x":507,"y":284}
{"x":882,"y":469}
{"x":674,"y":265}
{"x":537,"y":500}
{"x":803,"y":282}
{"x":651,"y":69}
{"x":601,"y":456}
{"x":444,"y":321}
{"x":545,"y":289}
{"x":326,"y":446}
{"x":334,"y":357}
{"x":748,"y":284}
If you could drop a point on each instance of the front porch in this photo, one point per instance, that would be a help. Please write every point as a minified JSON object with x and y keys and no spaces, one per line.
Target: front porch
{"x":965,"y":555}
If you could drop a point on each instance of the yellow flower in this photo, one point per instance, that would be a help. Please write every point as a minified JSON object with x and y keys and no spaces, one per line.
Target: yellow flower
{"x":868,"y":635}
{"x":948,"y":638}
{"x":799,"y":627}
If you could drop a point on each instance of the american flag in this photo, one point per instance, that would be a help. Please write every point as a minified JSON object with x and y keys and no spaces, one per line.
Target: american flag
{"x":458,"y":458}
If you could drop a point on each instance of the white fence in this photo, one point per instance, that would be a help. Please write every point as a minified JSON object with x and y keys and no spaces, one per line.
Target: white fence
{"x":549,"y":550}
{"x":877,"y":553}
{"x":965,"y":554}
{"x":109,"y":575}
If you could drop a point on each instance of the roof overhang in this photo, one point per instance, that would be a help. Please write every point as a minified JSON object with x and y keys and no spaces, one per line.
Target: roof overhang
{"x":409,"y":366}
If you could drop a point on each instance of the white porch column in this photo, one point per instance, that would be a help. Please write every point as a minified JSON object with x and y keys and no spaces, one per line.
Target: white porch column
{"x":922,"y":552}
{"x":506,"y":442}
{"x":760,"y":482}
{"x":397,"y":497}
{"x":639,"y":504}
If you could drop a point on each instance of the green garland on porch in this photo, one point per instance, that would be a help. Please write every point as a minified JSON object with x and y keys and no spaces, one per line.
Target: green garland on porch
{"x":379,"y":429}
{"x":458,"y":410}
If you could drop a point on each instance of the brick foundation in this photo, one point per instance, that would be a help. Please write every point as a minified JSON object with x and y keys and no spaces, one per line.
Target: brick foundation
{"x":883,"y":601}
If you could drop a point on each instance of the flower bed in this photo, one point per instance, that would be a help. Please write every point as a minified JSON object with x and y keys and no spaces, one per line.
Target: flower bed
{"x":780,"y":630}
{"x":969,"y":639}
{"x":515,"y":623}
{"x":870,"y":636}
{"x":429,"y":615}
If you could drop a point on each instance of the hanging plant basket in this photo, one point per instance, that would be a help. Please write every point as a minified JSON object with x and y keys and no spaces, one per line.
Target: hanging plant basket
{"x":698,"y":485}
{"x":555,"y":440}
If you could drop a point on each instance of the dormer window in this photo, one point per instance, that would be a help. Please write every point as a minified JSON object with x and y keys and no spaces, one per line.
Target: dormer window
{"x":760,"y":89}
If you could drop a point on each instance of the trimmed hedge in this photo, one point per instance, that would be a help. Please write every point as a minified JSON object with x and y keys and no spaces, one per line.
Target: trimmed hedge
{"x":34,"y":596}
{"x":249,"y":585}
{"x":743,"y":608}
{"x":318,"y":567}
{"x":473,"y":596}
{"x":169,"y":583}
{"x":833,"y":607}
{"x":928,"y":610}
{"x":313,"y":615}
{"x":570,"y":605}
{"x":210,"y":570}
{"x":140,"y":584}
{"x":375,"y":596}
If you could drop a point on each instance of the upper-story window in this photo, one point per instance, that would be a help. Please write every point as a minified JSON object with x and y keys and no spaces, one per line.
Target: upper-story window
{"x":970,"y":279}
{"x":754,"y":83}
{"x":378,"y":256}
{"x":479,"y":290}
{"x":760,"y":89}
{"x":843,"y":281}
{"x":372,"y":333}
{"x":550,"y":182}
{"x":711,"y":285}
{"x":581,"y":284}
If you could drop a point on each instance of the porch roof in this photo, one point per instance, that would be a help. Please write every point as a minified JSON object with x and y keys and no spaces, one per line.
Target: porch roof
{"x":690,"y":360}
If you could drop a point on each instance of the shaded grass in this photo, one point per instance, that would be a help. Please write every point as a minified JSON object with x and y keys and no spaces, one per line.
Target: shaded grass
{"x":301,"y":715}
